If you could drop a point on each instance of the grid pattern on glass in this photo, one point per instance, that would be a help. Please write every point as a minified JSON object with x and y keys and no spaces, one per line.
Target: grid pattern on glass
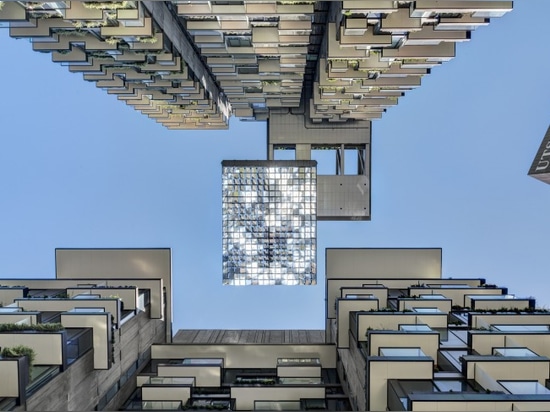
{"x":269,"y":224}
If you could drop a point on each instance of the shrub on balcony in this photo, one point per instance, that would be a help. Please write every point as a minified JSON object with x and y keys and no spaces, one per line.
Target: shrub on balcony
{"x":19,"y":351}
{"x":40,"y":327}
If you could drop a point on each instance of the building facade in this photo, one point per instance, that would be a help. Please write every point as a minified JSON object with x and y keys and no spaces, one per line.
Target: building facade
{"x":318,"y":71}
{"x":398,"y":336}
{"x":89,"y":335}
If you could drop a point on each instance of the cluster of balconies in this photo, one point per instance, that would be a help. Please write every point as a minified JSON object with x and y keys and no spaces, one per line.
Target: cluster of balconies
{"x":378,"y":50}
{"x":247,"y":376}
{"x":257,"y":51}
{"x":439,"y":344}
{"x":118,"y":46}
{"x":193,"y":64}
{"x":99,"y":330}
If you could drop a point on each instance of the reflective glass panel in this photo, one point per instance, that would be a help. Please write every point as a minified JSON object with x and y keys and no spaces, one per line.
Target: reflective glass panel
{"x":415,"y":328}
{"x":401,"y":352}
{"x":269,"y":222}
{"x":521,"y":328}
{"x":513,"y":352}
{"x":525,"y":387}
{"x":437,"y":297}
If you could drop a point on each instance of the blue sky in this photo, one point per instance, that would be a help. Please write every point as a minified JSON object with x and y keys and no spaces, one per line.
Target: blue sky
{"x":449,"y":169}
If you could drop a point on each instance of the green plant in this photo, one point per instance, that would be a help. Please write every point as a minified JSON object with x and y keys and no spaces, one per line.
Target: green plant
{"x":19,"y":351}
{"x":39,"y":327}
{"x":112,"y":40}
{"x":147,"y":39}
{"x":106,"y":5}
{"x":1,"y":5}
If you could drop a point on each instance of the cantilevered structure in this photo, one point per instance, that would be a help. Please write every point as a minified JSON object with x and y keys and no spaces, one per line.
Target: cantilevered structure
{"x":318,"y":71}
{"x":399,"y":336}
{"x":193,"y":64}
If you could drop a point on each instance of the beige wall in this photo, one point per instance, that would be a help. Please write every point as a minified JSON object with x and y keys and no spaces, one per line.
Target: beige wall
{"x":483,"y":343}
{"x":9,"y":378}
{"x":383,"y":263}
{"x":299,"y":371}
{"x":119,"y":263}
{"x":485,"y":319}
{"x":247,"y":356}
{"x":165,"y":393}
{"x":344,"y":307}
{"x":207,"y":375}
{"x":380,"y":371}
{"x":442,"y":305}
{"x":489,"y":304}
{"x":47,"y":346}
{"x":8,"y":295}
{"x":112,"y":263}
{"x":101,"y":330}
{"x":245,"y":396}
{"x":510,"y":370}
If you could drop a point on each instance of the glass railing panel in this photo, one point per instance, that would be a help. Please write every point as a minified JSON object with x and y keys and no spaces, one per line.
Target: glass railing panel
{"x":161,"y":405}
{"x":277,"y":406}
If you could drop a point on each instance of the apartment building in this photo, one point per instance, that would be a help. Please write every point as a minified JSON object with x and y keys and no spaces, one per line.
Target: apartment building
{"x":319,"y":71}
{"x":398,"y":336}
{"x":88,"y":331}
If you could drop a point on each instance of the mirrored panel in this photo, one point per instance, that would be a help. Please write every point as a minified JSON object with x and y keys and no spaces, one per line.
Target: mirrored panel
{"x":269,"y":222}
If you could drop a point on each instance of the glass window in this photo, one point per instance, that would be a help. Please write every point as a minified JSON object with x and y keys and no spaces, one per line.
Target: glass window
{"x":202,"y":361}
{"x":300,"y":380}
{"x":525,"y":387}
{"x":355,"y":296}
{"x":86,"y":296}
{"x":452,"y":286}
{"x":491,"y":297}
{"x":238,"y":41}
{"x":298,"y":361}
{"x":521,"y":328}
{"x":415,"y":328}
{"x":86,"y":310}
{"x":445,"y":385}
{"x":401,"y":352}
{"x":426,"y":310}
{"x":513,"y":352}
